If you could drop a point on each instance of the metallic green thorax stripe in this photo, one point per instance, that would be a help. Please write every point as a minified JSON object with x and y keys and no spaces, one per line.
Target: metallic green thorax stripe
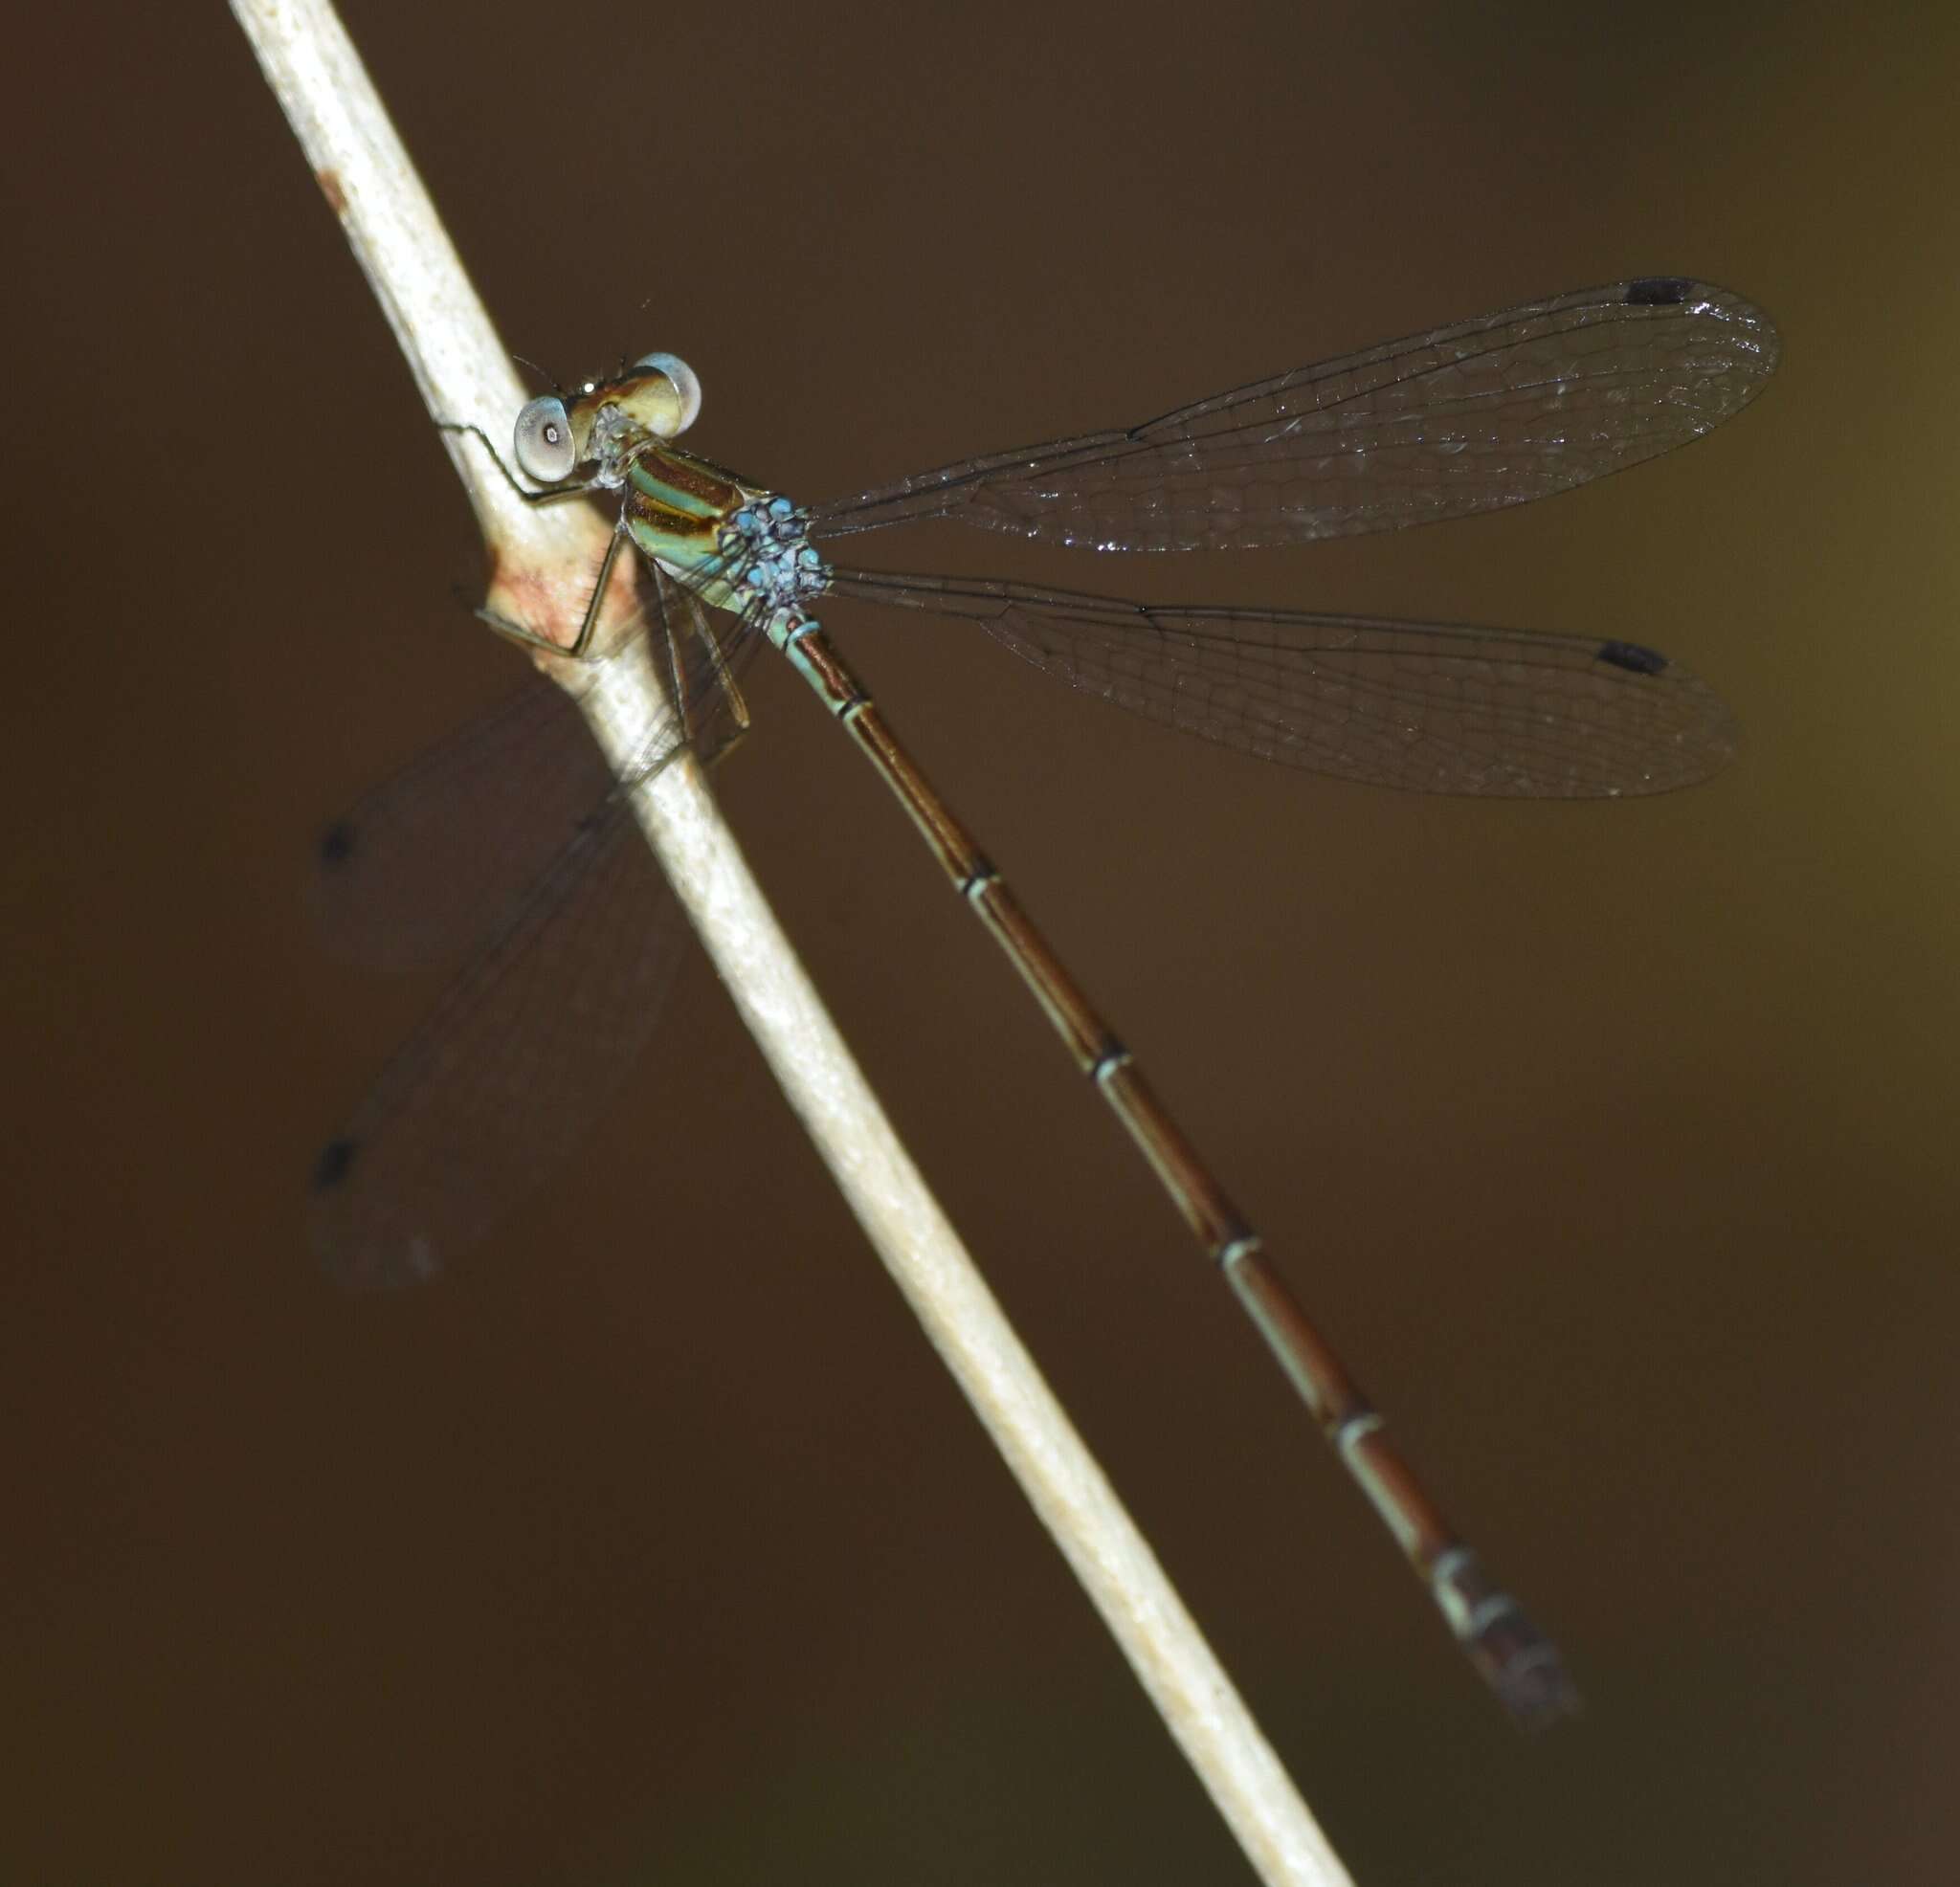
{"x":690,"y":488}
{"x":676,"y":507}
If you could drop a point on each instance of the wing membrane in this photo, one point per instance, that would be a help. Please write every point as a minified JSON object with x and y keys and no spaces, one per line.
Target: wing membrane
{"x":515,"y":826}
{"x":1429,"y":707}
{"x":513,"y":1066}
{"x":1470,"y":417}
{"x":421,"y":867}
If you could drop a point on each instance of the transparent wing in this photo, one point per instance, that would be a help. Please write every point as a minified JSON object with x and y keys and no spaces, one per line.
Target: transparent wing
{"x":1487,"y":413}
{"x":422,"y":866}
{"x":514,"y":827}
{"x":1429,"y":707}
{"x":509,"y":1071}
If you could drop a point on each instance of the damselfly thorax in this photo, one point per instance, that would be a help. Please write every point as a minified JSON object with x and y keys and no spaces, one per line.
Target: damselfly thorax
{"x":732,"y":542}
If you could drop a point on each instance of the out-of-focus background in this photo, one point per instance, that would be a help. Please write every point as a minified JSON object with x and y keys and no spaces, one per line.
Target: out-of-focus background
{"x":1615,"y":1142}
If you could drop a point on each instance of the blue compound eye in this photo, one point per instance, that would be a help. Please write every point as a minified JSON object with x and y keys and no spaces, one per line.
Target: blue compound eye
{"x":543,"y":443}
{"x":683,"y":379}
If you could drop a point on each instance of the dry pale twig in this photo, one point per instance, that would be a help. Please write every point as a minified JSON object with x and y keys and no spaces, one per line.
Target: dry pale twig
{"x":543,"y":559}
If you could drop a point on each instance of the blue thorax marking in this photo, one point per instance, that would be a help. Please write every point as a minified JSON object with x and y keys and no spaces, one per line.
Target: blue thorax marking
{"x":773,"y":568}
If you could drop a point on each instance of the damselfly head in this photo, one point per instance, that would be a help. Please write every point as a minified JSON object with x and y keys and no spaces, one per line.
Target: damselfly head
{"x":601,"y":421}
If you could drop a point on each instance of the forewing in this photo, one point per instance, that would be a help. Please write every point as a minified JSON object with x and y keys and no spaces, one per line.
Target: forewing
{"x":1487,"y":413}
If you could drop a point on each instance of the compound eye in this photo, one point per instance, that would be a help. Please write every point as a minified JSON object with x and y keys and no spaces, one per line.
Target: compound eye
{"x":545,"y":450}
{"x":683,"y":379}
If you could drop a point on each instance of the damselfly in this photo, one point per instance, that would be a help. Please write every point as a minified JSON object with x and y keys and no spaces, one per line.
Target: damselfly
{"x":520,"y":1056}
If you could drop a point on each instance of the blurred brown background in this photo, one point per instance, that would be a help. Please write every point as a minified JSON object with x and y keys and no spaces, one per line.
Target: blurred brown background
{"x":1616,"y":1143}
